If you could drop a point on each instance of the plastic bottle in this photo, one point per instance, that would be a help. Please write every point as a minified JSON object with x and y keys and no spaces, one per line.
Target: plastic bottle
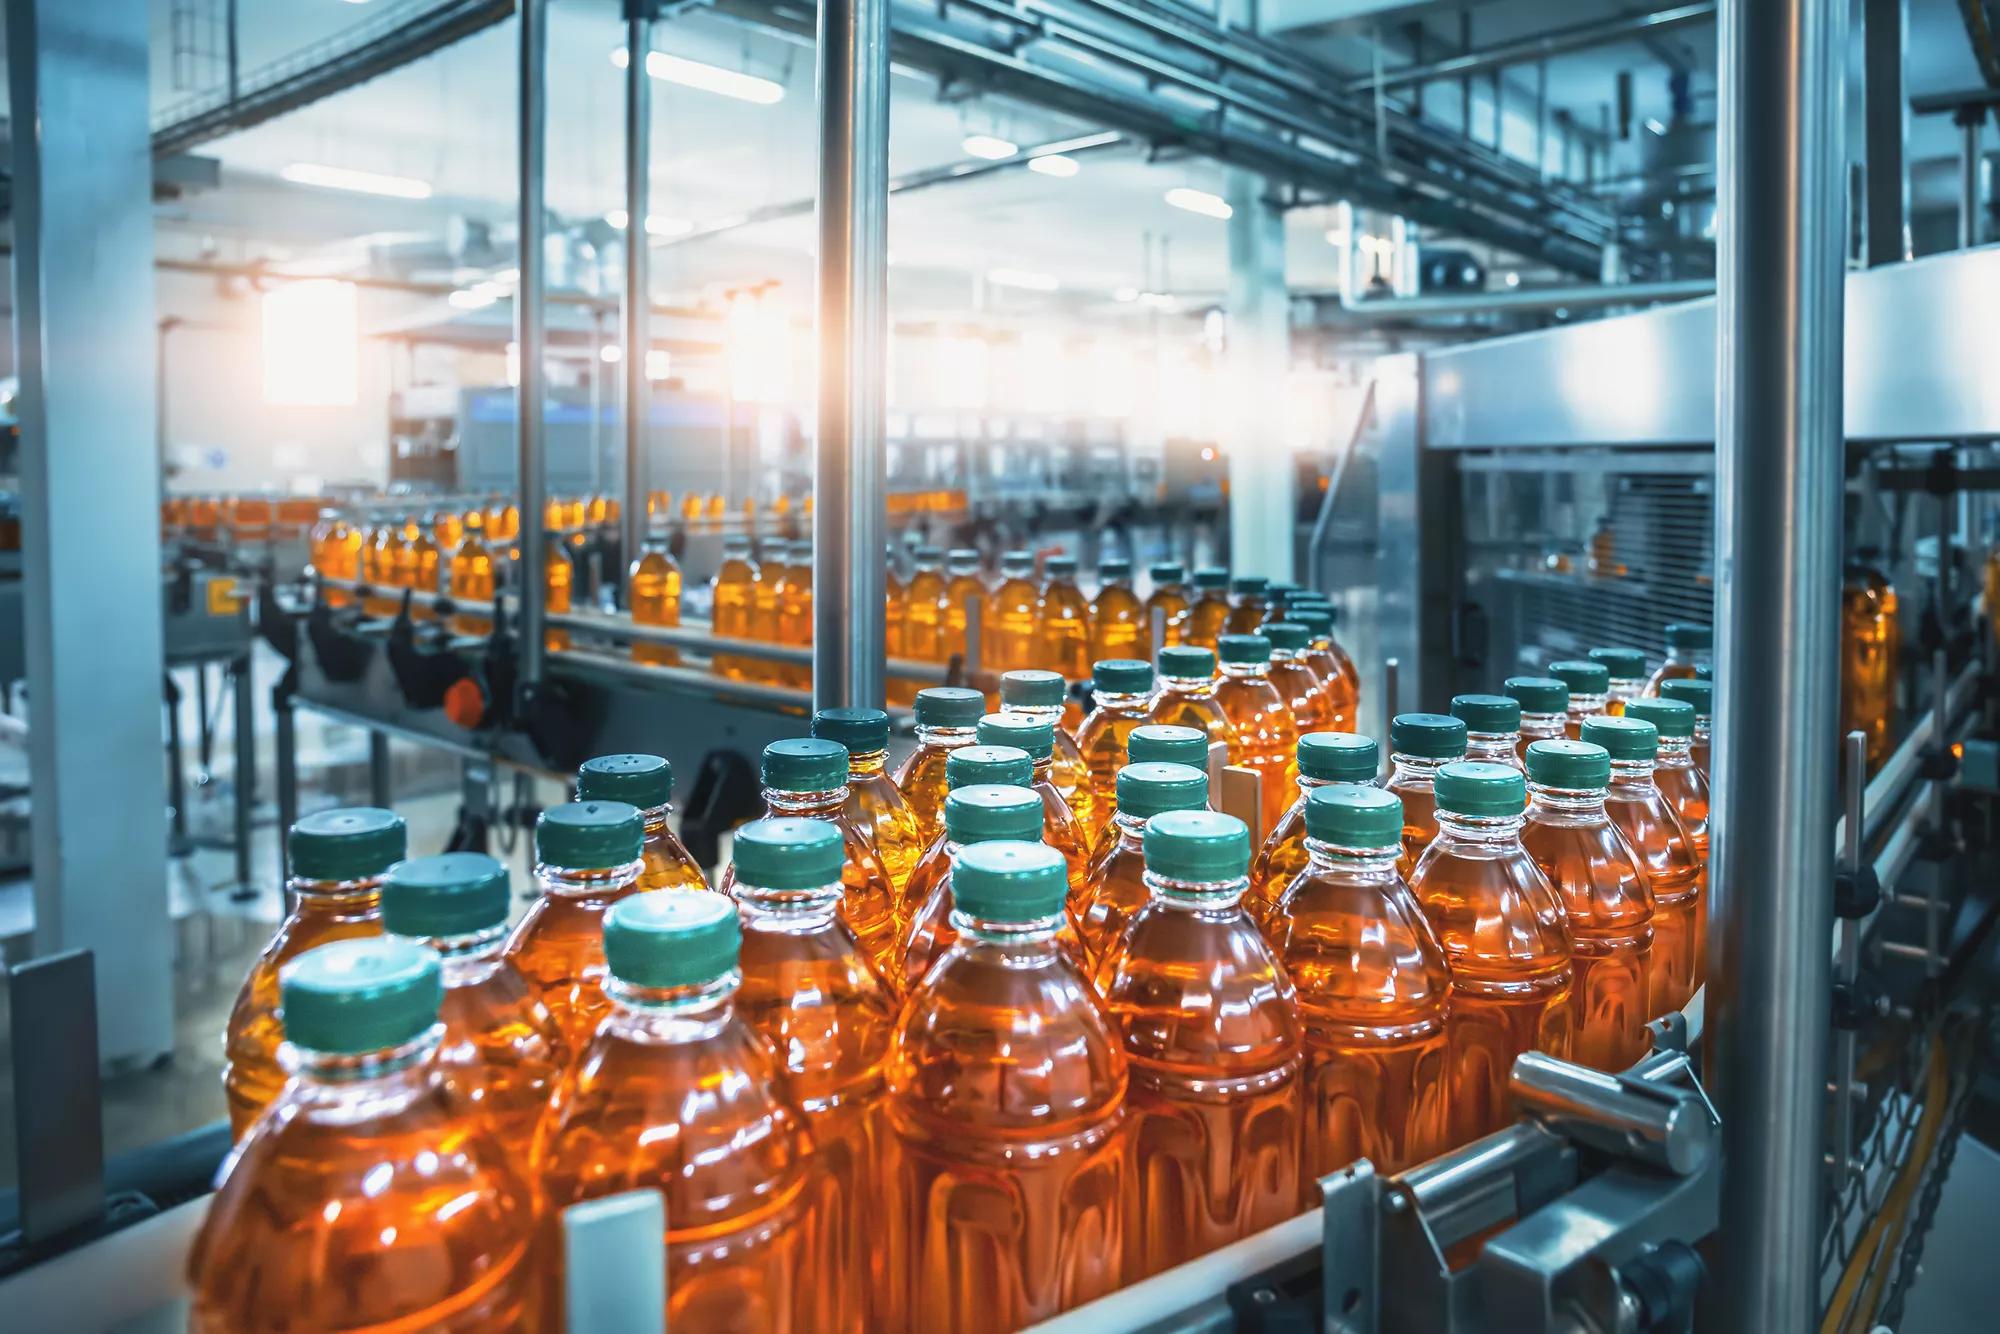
{"x":1341,"y":683}
{"x":1666,"y":855}
{"x":1627,"y":667}
{"x":795,"y":613}
{"x":1169,"y":598}
{"x":811,"y":992}
{"x":378,"y":568}
{"x":964,"y":588}
{"x":645,"y":782}
{"x":874,"y":805}
{"x":503,"y":1053}
{"x":653,"y":591}
{"x":1210,"y":611}
{"x":968,"y":766}
{"x":343,"y":560}
{"x":1492,"y":728}
{"x":895,"y":630}
{"x":947,"y":718}
{"x":558,"y":577}
{"x":1115,"y":886}
{"x":417,"y":566}
{"x":1597,"y":877}
{"x":1589,"y":691}
{"x":1118,"y":624}
{"x":1505,"y":937}
{"x":1303,"y":689}
{"x":1043,"y":695}
{"x":733,"y":589}
{"x":472,"y":577}
{"x":447,"y":528}
{"x":773,"y":571}
{"x":1060,"y":829}
{"x":925,"y":607}
{"x":337,"y":859}
{"x":1544,"y":705}
{"x":1167,"y":743}
{"x":1870,"y":644}
{"x":1249,"y":605}
{"x":1373,"y":989}
{"x":677,"y":1092}
{"x":1012,"y":611}
{"x":1701,"y":695}
{"x":327,"y":1214}
{"x":1262,"y":735}
{"x":1064,"y":622}
{"x":1688,"y":647}
{"x":1211,"y":1031}
{"x":586,"y":860}
{"x":1419,"y":745}
{"x":1006,"y":1089}
{"x":1683,"y":785}
{"x":1122,"y":699}
{"x":1321,"y":758}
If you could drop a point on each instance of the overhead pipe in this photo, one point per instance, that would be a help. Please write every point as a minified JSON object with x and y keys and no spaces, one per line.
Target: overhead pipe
{"x":530,"y":330}
{"x":1590,"y":297}
{"x":1527,"y":50}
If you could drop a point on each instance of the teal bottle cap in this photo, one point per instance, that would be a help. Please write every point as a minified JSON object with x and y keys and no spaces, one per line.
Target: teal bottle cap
{"x":1688,"y":637}
{"x":353,"y":996}
{"x":1290,"y":636}
{"x":1704,"y":672}
{"x":1626,"y":738}
{"x":1037,"y":736}
{"x":1200,"y":846}
{"x":1627,"y":664}
{"x":1030,"y":688}
{"x":1166,"y":572}
{"x":1146,"y":790}
{"x":1339,"y":757}
{"x":1670,"y":717}
{"x":353,"y":843}
{"x":1009,"y":881}
{"x":805,"y":764}
{"x":1114,"y":568}
{"x":1061,"y":567}
{"x":988,"y":764}
{"x":671,"y":939}
{"x":788,"y":854}
{"x":1575,"y":765}
{"x":1430,"y":736}
{"x":1280,"y":592}
{"x":1481,"y":790}
{"x":1355,"y":815}
{"x":1244,"y":650}
{"x":928,"y":555}
{"x":1249,"y":583}
{"x":451,"y":894}
{"x":1016,"y":559}
{"x":1122,"y":676}
{"x":1538,"y":694}
{"x":862,"y":731}
{"x":1316,"y":617}
{"x":949,"y":706}
{"x":645,"y":781}
{"x":1187,"y":662}
{"x":589,"y":835}
{"x":1583,"y":677}
{"x":1211,"y":576}
{"x":1487,"y":713}
{"x":963,"y":556}
{"x":982,"y":812}
{"x":1165,"y":743}
{"x":1700,"y":694}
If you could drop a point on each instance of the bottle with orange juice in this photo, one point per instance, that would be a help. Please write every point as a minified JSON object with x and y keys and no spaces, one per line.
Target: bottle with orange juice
{"x":1063,"y":624}
{"x":647,"y":783}
{"x":1121,"y":700}
{"x":1419,"y":745}
{"x":1627,"y":669}
{"x":1115,"y":886}
{"x":1492,"y":728}
{"x":1060,"y":827}
{"x":1044,"y":695}
{"x":947,"y":717}
{"x":1249,"y":605}
{"x":1683,"y":785}
{"x":1012,"y":631}
{"x":1262,"y":735}
{"x":1304,"y":691}
{"x":1666,"y":855}
{"x":1544,"y":705}
{"x":1187,"y":692}
{"x":586,"y":860}
{"x":1688,"y":645}
{"x":1589,"y":691}
{"x":1170,"y":599}
{"x":795,"y":613}
{"x":1210,"y":612}
{"x":734,"y":591}
{"x":1700,"y":695}
{"x":874,"y":804}
{"x":472,"y":577}
{"x":653,"y":595}
{"x":1320,"y":758}
{"x":1118,"y":625}
{"x":1325,"y":656}
{"x":558,"y":579}
{"x":965,"y":589}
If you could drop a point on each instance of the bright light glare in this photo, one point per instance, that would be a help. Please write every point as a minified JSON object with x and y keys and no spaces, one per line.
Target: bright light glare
{"x":610,"y":354}
{"x":707,"y":78}
{"x":476,"y":297}
{"x":988,"y":146}
{"x":362,"y":182}
{"x":659,"y":363}
{"x":1199,"y":201}
{"x":656,"y":225}
{"x":758,"y":337}
{"x":1512,"y":279}
{"x":1126,"y":294}
{"x":1054,"y":164}
{"x":1023,"y":278}
{"x":311,"y":344}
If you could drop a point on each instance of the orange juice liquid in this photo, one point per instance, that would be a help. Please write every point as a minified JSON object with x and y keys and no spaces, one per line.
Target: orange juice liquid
{"x":1262,"y":735}
{"x":924,"y":613}
{"x":503,"y":1053}
{"x":1191,"y":702}
{"x":653,"y":589}
{"x":1206,"y":617}
{"x":735,"y":584}
{"x":558,"y":945}
{"x":1170,"y":599}
{"x":378,"y":570}
{"x":876,"y":808}
{"x":1673,"y":873}
{"x":1063,"y":626}
{"x":1012,"y":611}
{"x":558,"y":577}
{"x":921,"y":778}
{"x":1101,"y":742}
{"x":1118,"y":624}
{"x":667,"y":864}
{"x":869,"y":903}
{"x":1304,"y":693}
{"x":472,"y":578}
{"x":795,"y":615}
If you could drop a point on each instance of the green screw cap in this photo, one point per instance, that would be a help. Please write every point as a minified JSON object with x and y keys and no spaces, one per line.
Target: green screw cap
{"x":1244,"y":650}
{"x":963,"y":556}
{"x":355,"y":996}
{"x":1202,"y":846}
{"x":1689,"y":637}
{"x":1007,"y":881}
{"x":1626,"y":664}
{"x":1700,"y":694}
{"x":1280,"y":592}
{"x":1538,"y":694}
{"x":862,"y":731}
{"x":1061,"y":567}
{"x":589,"y":835}
{"x":1316,"y":617}
{"x":1187,"y":662}
{"x":1037,"y":736}
{"x":1626,"y":738}
{"x":1354,"y":815}
{"x":645,"y":781}
{"x":927,"y":554}
{"x":949,"y":706}
{"x":1249,"y":583}
{"x":1166,"y":572}
{"x":1430,"y":736}
{"x":671,"y":940}
{"x":1211,"y":576}
{"x":1288,"y":636}
{"x":1146,"y":790}
{"x":1670,"y":717}
{"x":1704,"y":672}
{"x":988,"y":764}
{"x":354,"y":843}
{"x":983,"y":812}
{"x":452,"y":894}
{"x":1487,"y":713}
{"x":1122,"y":676}
{"x":1481,"y":790}
{"x":1114,"y":568}
{"x":1164,"y":743}
{"x":788,"y":854}
{"x":1574,"y":765}
{"x":1581,"y":676}
{"x":1032,"y":689}
{"x":1339,"y":757}
{"x":1016,"y":561}
{"x":805,"y":764}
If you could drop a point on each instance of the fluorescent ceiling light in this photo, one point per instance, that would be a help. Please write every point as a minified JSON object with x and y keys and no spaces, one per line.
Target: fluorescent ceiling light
{"x":1022,"y":278}
{"x":1199,"y":201}
{"x":363,"y":182}
{"x":708,"y":78}
{"x":1054,"y":164}
{"x":988,"y":146}
{"x":476,"y":297}
{"x":656,"y":225}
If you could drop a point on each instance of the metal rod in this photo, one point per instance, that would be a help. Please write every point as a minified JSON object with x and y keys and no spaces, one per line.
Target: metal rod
{"x":850,"y":515}
{"x":1529,"y":299}
{"x":1578,"y":37}
{"x":1781,"y":259}
{"x":286,"y":744}
{"x":1968,"y":181}
{"x":638,"y":280}
{"x":530,"y":331}
{"x":1854,"y":783}
{"x":243,"y":728}
{"x":378,"y":768}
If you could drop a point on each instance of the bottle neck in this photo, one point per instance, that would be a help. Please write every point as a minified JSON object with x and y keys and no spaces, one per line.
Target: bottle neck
{"x":335,"y":896}
{"x":386,"y":1071}
{"x":823,"y":802}
{"x":1018,"y":944}
{"x":1586,"y":706}
{"x":1196,"y":895}
{"x":1626,"y":687}
{"x":672,"y":1014}
{"x":1701,"y":736}
{"x":1350,"y":862}
{"x":1481,"y":830}
{"x":1543,"y":726}
{"x":656,"y":819}
{"x":1131,"y":828}
{"x":1676,"y":752}
{"x":1188,"y":685}
{"x":1632,"y":778}
{"x":1307,"y":782}
{"x":1405,"y":768}
{"x":946,"y":738}
{"x":586,"y":882}
{"x":465,"y":957}
{"x":1491,"y":745}
{"x":1107,"y":701}
{"x":867,"y":763}
{"x":1043,"y":713}
{"x":1247,"y":671}
{"x":787,"y":909}
{"x":1566,"y":805}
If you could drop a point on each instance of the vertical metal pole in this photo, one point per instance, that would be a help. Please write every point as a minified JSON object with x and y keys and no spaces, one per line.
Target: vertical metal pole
{"x":1854,"y":802}
{"x":1887,"y":121}
{"x":243,"y":723}
{"x":530,"y":333}
{"x":378,"y":769}
{"x":285,"y":737}
{"x":1969,"y":122}
{"x":1542,"y":119}
{"x":1782,"y":203}
{"x":638,"y":308}
{"x":850,"y":517}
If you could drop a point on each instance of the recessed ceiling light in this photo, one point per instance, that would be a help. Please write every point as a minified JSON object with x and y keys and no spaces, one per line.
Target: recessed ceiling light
{"x":988,"y":146}
{"x":708,"y":78}
{"x":1023,"y":278}
{"x":1054,"y":164}
{"x":1199,"y":201}
{"x":362,"y":182}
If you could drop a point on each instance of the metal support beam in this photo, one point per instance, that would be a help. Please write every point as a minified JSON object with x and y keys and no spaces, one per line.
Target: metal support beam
{"x":638,"y":282}
{"x":1781,"y":259}
{"x":85,"y":348}
{"x":1262,"y":508}
{"x":1885,"y":39}
{"x":1559,"y":41}
{"x":850,"y":486}
{"x":1969,"y":122}
{"x":531,"y":330}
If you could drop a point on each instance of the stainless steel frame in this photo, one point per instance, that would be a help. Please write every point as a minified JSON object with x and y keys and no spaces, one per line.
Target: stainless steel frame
{"x":637,"y":314}
{"x":531,"y":326}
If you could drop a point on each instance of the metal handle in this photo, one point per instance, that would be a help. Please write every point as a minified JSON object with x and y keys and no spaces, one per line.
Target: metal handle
{"x":1653,"y":1123}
